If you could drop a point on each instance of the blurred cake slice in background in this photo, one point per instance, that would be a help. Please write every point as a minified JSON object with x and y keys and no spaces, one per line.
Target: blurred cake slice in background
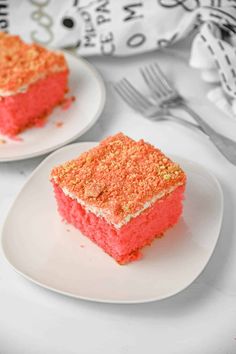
{"x":33,"y":80}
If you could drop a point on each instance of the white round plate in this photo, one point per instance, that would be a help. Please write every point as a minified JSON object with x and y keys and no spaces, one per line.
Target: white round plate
{"x":58,"y":257}
{"x":89,"y":90}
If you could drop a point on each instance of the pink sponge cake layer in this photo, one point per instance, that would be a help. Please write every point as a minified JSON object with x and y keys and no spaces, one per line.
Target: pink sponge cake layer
{"x":33,"y":81}
{"x":121,"y":194}
{"x":124,"y":243}
{"x":31,"y":108}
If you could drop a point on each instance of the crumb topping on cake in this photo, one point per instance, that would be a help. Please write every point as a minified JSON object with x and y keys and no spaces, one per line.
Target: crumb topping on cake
{"x":22,"y":64}
{"x":119,"y":176}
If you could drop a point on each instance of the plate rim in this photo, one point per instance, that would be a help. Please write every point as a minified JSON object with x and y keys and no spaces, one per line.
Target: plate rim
{"x":84,"y":130}
{"x":109,"y":301}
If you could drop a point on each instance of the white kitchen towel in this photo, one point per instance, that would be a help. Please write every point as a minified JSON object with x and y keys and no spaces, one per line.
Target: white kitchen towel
{"x":214,"y":53}
{"x":127,"y":27}
{"x":113,"y":27}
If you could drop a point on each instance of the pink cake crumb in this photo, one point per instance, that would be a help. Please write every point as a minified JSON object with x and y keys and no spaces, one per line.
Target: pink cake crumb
{"x":59,"y":124}
{"x":16,"y":138}
{"x":121,"y":194}
{"x":67,"y":102}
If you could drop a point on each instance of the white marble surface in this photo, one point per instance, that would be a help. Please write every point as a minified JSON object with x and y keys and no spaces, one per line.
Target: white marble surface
{"x":199,"y":320}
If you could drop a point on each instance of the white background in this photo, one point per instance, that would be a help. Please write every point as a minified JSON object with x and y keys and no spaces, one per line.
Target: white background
{"x":201,"y":319}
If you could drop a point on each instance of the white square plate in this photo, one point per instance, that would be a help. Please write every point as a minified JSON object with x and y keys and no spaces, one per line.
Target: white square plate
{"x":45,"y":250}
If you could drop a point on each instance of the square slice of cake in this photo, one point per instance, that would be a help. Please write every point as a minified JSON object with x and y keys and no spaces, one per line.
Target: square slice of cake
{"x":33,"y":80}
{"x":122,"y":194}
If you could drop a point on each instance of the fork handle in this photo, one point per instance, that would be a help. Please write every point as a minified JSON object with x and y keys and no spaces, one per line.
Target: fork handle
{"x":225,"y":145}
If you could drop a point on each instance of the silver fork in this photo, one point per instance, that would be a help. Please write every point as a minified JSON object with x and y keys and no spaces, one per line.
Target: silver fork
{"x":168,"y":97}
{"x":145,"y":106}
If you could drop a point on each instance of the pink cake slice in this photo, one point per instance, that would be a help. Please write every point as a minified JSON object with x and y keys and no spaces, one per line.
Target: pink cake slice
{"x":33,"y":80}
{"x":122,"y":194}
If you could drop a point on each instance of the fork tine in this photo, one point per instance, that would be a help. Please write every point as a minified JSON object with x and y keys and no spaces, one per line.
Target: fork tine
{"x":158,"y":78}
{"x":123,"y":94}
{"x":162,"y":77}
{"x":151,"y":82}
{"x":135,"y":93}
{"x":131,"y":97}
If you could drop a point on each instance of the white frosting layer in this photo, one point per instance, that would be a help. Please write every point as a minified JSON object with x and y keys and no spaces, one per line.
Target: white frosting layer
{"x":101,"y":213}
